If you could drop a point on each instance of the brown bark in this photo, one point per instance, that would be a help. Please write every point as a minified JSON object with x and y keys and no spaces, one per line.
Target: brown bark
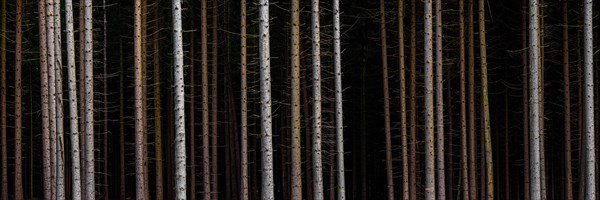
{"x":412,"y":168}
{"x":205,"y":109}
{"x":464,"y":162}
{"x":471,"y":102}
{"x":18,"y":181}
{"x":567,"y":105}
{"x":157,"y":105}
{"x":386,"y":103}
{"x":3,"y":102}
{"x":214,"y":103}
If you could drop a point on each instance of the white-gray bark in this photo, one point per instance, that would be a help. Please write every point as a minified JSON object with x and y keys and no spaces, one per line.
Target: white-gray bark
{"x":339,"y":116}
{"x":89,"y":101}
{"x":73,"y":109}
{"x":588,"y":59}
{"x":140,"y":177}
{"x":265,"y":101}
{"x":316,"y":58}
{"x":429,"y":118}
{"x":534,"y":101}
{"x":244,"y":105}
{"x":60,"y":171}
{"x":296,"y":123}
{"x":51,"y":89}
{"x":180,"y":162}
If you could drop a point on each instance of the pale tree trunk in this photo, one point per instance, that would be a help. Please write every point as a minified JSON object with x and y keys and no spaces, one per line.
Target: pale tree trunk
{"x":534,"y":101}
{"x":45,"y":101}
{"x":18,"y":107}
{"x":464,"y":161}
{"x":51,"y":90}
{"x":60,"y":171}
{"x":316,"y":139}
{"x":404,"y":145}
{"x":3,"y":102}
{"x":296,"y":124}
{"x":214,"y":104}
{"x":140,"y":161}
{"x":244,"y":104}
{"x":588,"y":57}
{"x":73,"y":111}
{"x":265,"y":101}
{"x":567,"y":104}
{"x":157,"y":106}
{"x":89,"y":102}
{"x":429,"y":112}
{"x":339,"y":115}
{"x":205,"y":121}
{"x":180,"y":165}
{"x":439,"y":104}
{"x":486,"y":108}
{"x":386,"y":104}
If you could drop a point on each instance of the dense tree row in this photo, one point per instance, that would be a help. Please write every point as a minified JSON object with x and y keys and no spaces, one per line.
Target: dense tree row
{"x":243,"y":100}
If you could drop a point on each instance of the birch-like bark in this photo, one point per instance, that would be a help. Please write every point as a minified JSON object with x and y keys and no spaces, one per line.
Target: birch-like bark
{"x":429,"y":111}
{"x":180,"y":165}
{"x":73,"y":110}
{"x":386,"y":103}
{"x":47,"y":181}
{"x":89,"y":101}
{"x":534,"y":101}
{"x":439,"y":104}
{"x":296,"y":124}
{"x":265,"y":101}
{"x":140,"y":162}
{"x":244,"y":104}
{"x":588,"y":59}
{"x":18,"y":180}
{"x":486,"y":108}
{"x":339,"y":114}
{"x":60,"y":171}
{"x":316,"y":139}
{"x":50,"y":25}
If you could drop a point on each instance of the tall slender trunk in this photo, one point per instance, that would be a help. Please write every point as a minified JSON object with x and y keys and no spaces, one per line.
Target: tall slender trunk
{"x":386,"y":104}
{"x":157,"y":106}
{"x":471,"y":103}
{"x":45,"y":100}
{"x":486,"y":108}
{"x":429,"y":111}
{"x":464,"y":161}
{"x":179,"y":103}
{"x":52,"y":90}
{"x":244,"y":105}
{"x":205,"y":121}
{"x":316,"y":76}
{"x":534,"y":100}
{"x":439,"y":98}
{"x":265,"y":93}
{"x":74,"y":120}
{"x":405,"y":170}
{"x":567,"y":104}
{"x":339,"y":116}
{"x":89,"y":102}
{"x":140,"y":162}
{"x":296,"y":123}
{"x":214,"y":103}
{"x":588,"y":57}
{"x":412,"y":99}
{"x":82,"y":108}
{"x":18,"y":181}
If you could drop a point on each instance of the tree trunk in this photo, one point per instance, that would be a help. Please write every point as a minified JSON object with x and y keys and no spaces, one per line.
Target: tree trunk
{"x":52,"y":91}
{"x":205,"y":121}
{"x":214,"y":104}
{"x":429,"y":112}
{"x":567,"y":104}
{"x":339,"y":116}
{"x":590,"y":162}
{"x":412,"y":99}
{"x":73,"y":110}
{"x":464,"y":161}
{"x":534,"y":101}
{"x":439,"y":98}
{"x":140,"y":161}
{"x":386,"y":104}
{"x":486,"y":108}
{"x":244,"y":105}
{"x":316,"y":140}
{"x":45,"y":100}
{"x":180,"y":167}
{"x":3,"y":103}
{"x":265,"y":93}
{"x":18,"y":108}
{"x":296,"y":123}
{"x":405,"y":170}
{"x":471,"y":103}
